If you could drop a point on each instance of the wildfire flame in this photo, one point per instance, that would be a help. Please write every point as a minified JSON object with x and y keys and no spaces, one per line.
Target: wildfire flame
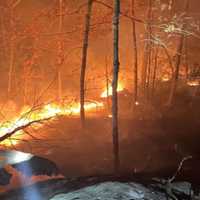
{"x":108,"y":92}
{"x":193,"y":83}
{"x":48,"y":111}
{"x":51,"y":110}
{"x":165,"y":78}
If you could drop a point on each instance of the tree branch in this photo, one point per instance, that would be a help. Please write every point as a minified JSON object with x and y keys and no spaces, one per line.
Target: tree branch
{"x":9,"y":134}
{"x":121,"y":13}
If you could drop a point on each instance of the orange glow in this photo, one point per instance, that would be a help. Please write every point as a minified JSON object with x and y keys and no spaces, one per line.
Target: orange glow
{"x":51,"y":110}
{"x":193,"y":83}
{"x":165,"y":78}
{"x":48,"y":111}
{"x":106,"y":93}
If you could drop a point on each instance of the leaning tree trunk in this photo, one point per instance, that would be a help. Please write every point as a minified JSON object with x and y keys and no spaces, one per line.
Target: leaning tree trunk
{"x":115,"y":83}
{"x":135,"y":53}
{"x":178,"y":61}
{"x":84,"y":60}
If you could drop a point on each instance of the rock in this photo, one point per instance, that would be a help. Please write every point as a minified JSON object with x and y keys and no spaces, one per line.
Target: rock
{"x":112,"y":191}
{"x":182,"y":187}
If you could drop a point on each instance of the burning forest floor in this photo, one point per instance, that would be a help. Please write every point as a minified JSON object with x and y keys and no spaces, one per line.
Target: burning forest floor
{"x":148,"y":148}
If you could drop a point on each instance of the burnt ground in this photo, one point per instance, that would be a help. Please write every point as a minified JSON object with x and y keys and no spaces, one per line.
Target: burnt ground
{"x":148,"y":148}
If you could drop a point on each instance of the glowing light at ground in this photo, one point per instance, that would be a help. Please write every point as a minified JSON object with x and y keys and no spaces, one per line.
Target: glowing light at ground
{"x":108,"y":92}
{"x":193,"y":83}
{"x":52,"y":110}
{"x":165,"y":78}
{"x":136,"y":103}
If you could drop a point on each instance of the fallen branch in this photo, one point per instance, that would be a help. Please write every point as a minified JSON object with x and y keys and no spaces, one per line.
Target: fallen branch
{"x":167,"y":184}
{"x":9,"y":134}
{"x":179,"y":168}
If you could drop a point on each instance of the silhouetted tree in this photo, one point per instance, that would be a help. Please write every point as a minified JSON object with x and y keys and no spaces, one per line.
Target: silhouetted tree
{"x":115,"y":132}
{"x":135,"y":53}
{"x":178,"y":58}
{"x":84,"y":60}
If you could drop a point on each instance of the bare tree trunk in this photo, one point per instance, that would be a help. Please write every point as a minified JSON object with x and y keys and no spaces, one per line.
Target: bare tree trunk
{"x":12,"y":46}
{"x":178,"y":61}
{"x":107,"y":85}
{"x":135,"y":53}
{"x":186,"y":59}
{"x":84,"y":60}
{"x":147,"y":50}
{"x":148,"y":73}
{"x":149,"y":53}
{"x":154,"y":72}
{"x":60,"y":49}
{"x":11,"y":60}
{"x":114,"y":85}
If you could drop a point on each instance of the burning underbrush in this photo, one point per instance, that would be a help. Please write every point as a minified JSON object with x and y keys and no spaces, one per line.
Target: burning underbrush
{"x":35,"y":115}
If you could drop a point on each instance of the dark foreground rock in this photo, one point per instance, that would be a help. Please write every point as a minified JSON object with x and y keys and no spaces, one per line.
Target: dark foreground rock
{"x":112,"y":191}
{"x":102,"y":188}
{"x":129,"y":191}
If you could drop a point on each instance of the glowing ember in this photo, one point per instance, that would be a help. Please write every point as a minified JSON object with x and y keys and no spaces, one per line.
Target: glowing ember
{"x":165,"y":78}
{"x":28,"y":115}
{"x":136,"y":103}
{"x":106,"y":93}
{"x":193,"y":83}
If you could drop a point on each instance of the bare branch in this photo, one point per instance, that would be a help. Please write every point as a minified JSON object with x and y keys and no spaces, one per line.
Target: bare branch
{"x":179,"y":168}
{"x":122,"y":13}
{"x":9,"y":134}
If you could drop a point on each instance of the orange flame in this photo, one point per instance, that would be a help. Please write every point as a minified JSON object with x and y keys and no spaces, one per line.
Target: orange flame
{"x":50,"y":110}
{"x":108,"y":92}
{"x":193,"y":83}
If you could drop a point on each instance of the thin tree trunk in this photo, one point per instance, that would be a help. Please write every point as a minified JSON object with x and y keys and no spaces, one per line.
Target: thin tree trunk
{"x":11,"y":60}
{"x":154,"y":72}
{"x":186,"y":60}
{"x":148,"y":73}
{"x":178,"y":62}
{"x":149,"y":53}
{"x":107,"y":85}
{"x":60,"y":46}
{"x":84,"y":60}
{"x":114,"y":85}
{"x":147,"y":50}
{"x":135,"y":53}
{"x":12,"y":46}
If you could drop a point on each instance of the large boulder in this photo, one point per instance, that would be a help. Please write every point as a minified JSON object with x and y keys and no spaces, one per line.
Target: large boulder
{"x":113,"y":191}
